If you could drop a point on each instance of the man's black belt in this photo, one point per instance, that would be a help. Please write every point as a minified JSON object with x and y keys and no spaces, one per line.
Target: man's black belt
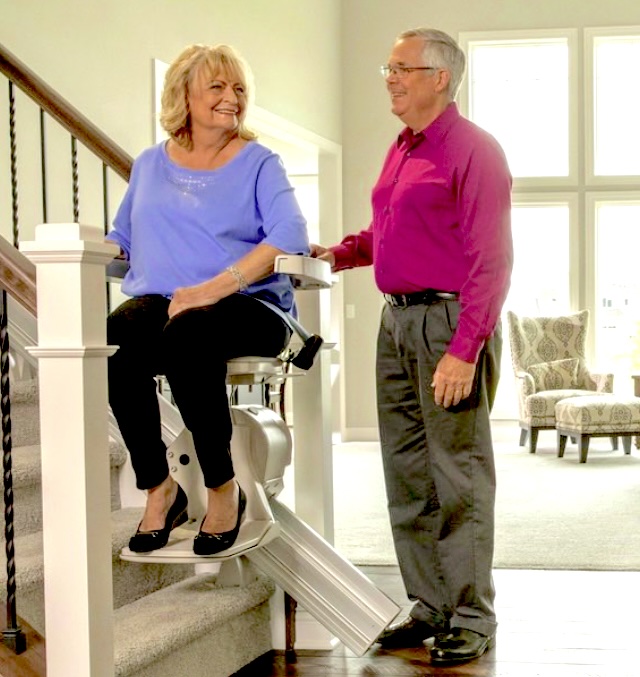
{"x":426,"y":297}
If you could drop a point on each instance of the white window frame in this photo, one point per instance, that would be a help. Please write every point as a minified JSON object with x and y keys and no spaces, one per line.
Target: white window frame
{"x":590,"y":34}
{"x":592,"y":198}
{"x":505,"y":407}
{"x":519,"y":199}
{"x":467,"y":39}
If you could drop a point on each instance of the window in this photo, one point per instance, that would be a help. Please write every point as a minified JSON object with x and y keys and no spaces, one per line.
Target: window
{"x":577,"y":249}
{"x":541,"y":282}
{"x":544,"y":275}
{"x":615,"y":286}
{"x":520,"y":89}
{"x":614,"y":133}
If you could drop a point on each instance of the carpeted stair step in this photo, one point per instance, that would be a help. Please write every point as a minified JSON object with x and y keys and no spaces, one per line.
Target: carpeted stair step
{"x":194,"y":628}
{"x":25,"y":412}
{"x":168,"y":621}
{"x":131,"y":581}
{"x":27,"y":475}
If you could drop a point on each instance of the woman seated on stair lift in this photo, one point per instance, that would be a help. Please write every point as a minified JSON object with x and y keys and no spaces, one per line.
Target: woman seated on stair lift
{"x":201,"y":223}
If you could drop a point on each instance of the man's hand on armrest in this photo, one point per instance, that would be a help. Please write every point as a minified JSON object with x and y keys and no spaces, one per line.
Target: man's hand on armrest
{"x":323,"y":253}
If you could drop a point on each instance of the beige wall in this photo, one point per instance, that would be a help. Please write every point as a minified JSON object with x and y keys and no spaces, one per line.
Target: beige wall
{"x":368,"y":128}
{"x":98,"y":54}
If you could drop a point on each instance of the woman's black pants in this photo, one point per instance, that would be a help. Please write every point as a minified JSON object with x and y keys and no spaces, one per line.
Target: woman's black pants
{"x":191,"y":350}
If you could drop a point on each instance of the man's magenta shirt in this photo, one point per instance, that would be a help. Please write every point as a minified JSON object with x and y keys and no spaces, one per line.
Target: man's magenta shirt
{"x":442,"y":220}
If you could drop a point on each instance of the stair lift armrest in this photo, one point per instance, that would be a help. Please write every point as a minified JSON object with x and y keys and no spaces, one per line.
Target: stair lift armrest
{"x":306,"y":272}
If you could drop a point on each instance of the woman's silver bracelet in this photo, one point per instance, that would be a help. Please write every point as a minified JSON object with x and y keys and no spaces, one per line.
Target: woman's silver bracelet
{"x":239,"y":277}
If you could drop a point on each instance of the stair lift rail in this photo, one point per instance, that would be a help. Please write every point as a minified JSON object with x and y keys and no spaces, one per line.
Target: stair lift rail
{"x":271,"y":536}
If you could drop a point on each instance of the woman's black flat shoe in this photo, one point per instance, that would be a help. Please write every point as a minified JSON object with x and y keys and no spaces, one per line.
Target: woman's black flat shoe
{"x":146,"y":541}
{"x":210,"y":544}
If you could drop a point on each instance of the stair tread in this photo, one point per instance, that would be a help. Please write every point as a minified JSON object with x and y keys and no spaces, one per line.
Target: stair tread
{"x":180,"y":612}
{"x":29,"y":549}
{"x":26,"y":467}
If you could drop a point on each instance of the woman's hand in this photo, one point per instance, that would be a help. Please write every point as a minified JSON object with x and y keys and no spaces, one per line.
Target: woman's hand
{"x":185,"y":298}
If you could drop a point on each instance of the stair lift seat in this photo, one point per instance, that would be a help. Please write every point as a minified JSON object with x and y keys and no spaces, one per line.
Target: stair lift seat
{"x":260,"y":444}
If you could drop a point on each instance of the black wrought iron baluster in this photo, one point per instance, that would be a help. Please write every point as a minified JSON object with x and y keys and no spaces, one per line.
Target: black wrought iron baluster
{"x":12,"y":636}
{"x":74,"y":178}
{"x":105,"y":218}
{"x":43,"y":166}
{"x":14,"y":164}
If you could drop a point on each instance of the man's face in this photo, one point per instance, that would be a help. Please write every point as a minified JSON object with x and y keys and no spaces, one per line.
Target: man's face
{"x":414,"y":94}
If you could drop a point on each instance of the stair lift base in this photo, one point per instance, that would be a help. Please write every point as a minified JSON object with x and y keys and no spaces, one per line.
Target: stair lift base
{"x":261,"y":450}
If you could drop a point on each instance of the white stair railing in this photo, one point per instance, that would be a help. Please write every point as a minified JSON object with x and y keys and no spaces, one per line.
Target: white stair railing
{"x":70,"y":260}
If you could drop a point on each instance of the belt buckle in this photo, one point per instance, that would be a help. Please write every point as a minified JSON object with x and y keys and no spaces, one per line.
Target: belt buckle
{"x":447,"y":296}
{"x":393,"y":299}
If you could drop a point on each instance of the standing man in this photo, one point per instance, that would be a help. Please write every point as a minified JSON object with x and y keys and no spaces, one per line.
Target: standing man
{"x":440,"y":243}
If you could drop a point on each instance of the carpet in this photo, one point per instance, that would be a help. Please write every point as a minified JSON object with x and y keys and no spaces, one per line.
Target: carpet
{"x":551,"y":513}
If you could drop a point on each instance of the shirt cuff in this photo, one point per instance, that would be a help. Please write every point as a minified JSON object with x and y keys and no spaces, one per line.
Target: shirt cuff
{"x":343,"y":257}
{"x":465,"y":349}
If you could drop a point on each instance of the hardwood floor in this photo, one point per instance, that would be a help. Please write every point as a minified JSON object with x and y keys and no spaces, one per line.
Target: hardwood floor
{"x":551,"y":624}
{"x":30,"y":663}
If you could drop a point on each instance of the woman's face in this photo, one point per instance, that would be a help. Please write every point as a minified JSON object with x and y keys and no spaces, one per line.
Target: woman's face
{"x":216,"y":101}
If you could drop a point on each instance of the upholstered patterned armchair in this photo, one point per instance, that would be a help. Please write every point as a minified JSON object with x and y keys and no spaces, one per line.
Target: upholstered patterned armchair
{"x":548,"y":355}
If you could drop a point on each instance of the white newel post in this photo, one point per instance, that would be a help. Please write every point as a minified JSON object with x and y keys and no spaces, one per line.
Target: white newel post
{"x":72,"y":369}
{"x":313,"y":450}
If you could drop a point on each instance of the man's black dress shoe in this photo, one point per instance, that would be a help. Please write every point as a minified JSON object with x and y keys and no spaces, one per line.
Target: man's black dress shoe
{"x":407,"y":633}
{"x":460,"y":645}
{"x":146,"y":541}
{"x":210,"y":544}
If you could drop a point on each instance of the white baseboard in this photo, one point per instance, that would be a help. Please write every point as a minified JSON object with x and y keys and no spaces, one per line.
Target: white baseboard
{"x":360,"y":435}
{"x":372,"y":434}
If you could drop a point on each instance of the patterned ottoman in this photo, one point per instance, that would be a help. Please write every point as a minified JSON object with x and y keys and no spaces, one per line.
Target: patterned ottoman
{"x":597,"y":416}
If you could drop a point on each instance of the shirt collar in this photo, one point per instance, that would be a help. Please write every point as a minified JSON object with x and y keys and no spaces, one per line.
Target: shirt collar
{"x":434,"y":133}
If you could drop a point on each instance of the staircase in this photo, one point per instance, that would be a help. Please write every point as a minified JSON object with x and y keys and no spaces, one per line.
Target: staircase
{"x":168,"y":620}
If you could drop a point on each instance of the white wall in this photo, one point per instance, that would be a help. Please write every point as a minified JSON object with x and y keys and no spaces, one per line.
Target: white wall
{"x":369,"y":128}
{"x":99,"y":54}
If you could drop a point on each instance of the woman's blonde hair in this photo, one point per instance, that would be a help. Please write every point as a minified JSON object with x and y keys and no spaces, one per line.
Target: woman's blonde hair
{"x":184,"y":72}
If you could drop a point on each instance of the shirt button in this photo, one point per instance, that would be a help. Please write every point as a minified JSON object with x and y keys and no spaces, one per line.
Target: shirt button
{"x":409,"y":154}
{"x":395,"y":180}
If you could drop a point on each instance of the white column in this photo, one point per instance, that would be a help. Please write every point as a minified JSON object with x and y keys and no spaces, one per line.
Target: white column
{"x":313,"y":452}
{"x":72,"y":371}
{"x":312,"y":448}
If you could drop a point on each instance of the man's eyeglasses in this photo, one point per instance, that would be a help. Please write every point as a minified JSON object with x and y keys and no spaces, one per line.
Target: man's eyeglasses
{"x":403,"y":71}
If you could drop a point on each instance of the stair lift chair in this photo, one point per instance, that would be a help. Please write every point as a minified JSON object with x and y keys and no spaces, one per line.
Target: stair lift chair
{"x":261,"y":443}
{"x":272,"y":537}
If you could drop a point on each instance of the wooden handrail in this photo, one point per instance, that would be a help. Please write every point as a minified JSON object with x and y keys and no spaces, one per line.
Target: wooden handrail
{"x":18,"y":276}
{"x":68,"y":116}
{"x":17,"y":273}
